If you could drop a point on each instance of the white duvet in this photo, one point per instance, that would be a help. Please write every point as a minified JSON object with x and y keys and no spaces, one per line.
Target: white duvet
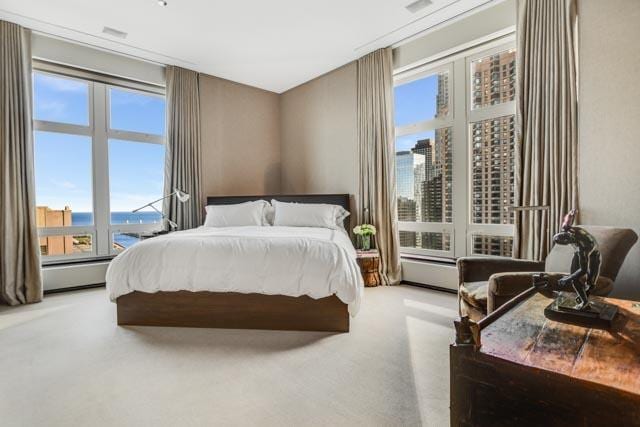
{"x":291,"y":261}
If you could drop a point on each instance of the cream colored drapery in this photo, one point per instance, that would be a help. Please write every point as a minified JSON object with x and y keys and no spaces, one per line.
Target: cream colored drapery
{"x":377,"y":175}
{"x":20,"y":277}
{"x":547,"y":121}
{"x":183,"y":159}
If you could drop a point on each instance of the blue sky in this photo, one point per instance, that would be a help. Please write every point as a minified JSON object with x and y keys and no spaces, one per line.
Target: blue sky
{"x":415,"y":102}
{"x":63,"y":162}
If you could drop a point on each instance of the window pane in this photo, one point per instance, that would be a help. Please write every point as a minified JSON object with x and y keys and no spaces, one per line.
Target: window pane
{"x":64,"y":194}
{"x":60,"y":99}
{"x":423,"y":173}
{"x":76,"y":244}
{"x":493,"y":79}
{"x":433,"y":241}
{"x":492,"y":166}
{"x":136,"y":177}
{"x":423,"y":99}
{"x":492,"y":245}
{"x":136,"y":111}
{"x":122,"y":241}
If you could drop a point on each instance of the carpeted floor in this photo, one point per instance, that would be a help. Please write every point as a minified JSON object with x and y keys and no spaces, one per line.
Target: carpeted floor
{"x":66,"y":363}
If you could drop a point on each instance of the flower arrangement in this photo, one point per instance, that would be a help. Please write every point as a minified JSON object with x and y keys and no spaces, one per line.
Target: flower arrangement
{"x":364,"y":232}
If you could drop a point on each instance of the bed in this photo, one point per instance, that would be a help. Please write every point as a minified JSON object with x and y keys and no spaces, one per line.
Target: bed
{"x":281,"y":278}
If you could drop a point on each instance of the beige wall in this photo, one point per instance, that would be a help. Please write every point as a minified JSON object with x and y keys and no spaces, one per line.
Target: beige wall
{"x":240,"y":138}
{"x":319,"y":135}
{"x":609,"y":114}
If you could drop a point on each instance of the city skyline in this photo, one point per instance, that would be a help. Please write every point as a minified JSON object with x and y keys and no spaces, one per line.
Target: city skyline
{"x":423,"y":160}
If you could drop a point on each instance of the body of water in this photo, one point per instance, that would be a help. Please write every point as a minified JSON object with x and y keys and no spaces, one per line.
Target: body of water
{"x":86,"y":218}
{"x":123,"y":240}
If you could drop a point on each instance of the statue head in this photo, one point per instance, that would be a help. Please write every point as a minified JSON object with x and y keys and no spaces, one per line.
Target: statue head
{"x":565,"y":236}
{"x":568,"y":220}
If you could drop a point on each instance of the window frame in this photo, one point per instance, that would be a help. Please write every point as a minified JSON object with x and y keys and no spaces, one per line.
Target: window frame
{"x":459,"y":119}
{"x":99,"y":131}
{"x":426,"y":126}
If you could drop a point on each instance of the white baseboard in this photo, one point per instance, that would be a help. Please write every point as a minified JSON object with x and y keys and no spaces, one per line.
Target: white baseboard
{"x":69,"y":276}
{"x":430,"y":273}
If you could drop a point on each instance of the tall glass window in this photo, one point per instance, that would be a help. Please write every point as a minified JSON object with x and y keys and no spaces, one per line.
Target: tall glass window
{"x":455,"y":141}
{"x":99,"y":154}
{"x":424,"y":161}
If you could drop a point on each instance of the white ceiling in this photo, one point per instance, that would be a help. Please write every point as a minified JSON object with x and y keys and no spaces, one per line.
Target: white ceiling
{"x":270,"y":44}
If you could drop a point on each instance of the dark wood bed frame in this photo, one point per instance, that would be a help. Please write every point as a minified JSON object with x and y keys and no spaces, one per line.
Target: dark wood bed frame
{"x":239,"y":311}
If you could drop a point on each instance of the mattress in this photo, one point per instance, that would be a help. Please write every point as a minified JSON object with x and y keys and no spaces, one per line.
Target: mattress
{"x":291,"y":261}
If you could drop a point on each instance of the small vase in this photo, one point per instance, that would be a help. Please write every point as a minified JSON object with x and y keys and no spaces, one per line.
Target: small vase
{"x":365,"y":242}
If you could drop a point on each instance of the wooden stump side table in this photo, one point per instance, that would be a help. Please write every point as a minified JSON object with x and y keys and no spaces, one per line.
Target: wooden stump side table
{"x":369,"y":262}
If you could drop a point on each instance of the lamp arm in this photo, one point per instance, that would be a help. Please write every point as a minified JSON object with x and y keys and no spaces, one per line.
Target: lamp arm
{"x":157,"y":210}
{"x":150,"y":204}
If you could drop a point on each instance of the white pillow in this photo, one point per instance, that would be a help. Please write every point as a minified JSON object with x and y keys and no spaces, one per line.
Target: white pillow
{"x":309,"y":215}
{"x":241,"y":214}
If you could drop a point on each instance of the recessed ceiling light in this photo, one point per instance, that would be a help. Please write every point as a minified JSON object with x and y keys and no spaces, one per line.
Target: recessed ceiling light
{"x":162,"y":3}
{"x":417,"y":5}
{"x":115,"y":33}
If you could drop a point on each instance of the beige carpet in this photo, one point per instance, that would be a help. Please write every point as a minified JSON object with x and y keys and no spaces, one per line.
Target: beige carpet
{"x":64,"y":362}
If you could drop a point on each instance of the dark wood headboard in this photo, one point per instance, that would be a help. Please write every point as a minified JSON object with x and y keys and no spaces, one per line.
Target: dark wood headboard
{"x":330,"y":199}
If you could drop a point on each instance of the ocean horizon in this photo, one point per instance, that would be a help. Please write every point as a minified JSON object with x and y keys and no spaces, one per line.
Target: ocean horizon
{"x":86,"y":218}
{"x":123,"y":240}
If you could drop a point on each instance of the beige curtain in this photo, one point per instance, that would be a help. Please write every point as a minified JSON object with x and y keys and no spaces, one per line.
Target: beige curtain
{"x":20,"y":278}
{"x":547,"y":122}
{"x":377,"y":174}
{"x":183,"y":160}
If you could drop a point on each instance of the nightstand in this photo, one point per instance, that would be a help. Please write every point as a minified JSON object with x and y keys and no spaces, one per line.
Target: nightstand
{"x":369,"y":262}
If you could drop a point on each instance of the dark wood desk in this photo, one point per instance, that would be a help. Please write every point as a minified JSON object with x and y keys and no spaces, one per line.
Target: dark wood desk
{"x":518,"y":368}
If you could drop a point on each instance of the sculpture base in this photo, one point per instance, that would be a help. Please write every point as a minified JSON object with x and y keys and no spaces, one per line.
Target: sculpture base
{"x":596,"y":315}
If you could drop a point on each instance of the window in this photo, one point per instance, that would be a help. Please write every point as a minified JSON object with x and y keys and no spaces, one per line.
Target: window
{"x":99,"y":153}
{"x":491,"y":129}
{"x":455,"y":143}
{"x":424,"y":160}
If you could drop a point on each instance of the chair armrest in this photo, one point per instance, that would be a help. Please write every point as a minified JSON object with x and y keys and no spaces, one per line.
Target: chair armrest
{"x":479,"y":269}
{"x":504,"y":286}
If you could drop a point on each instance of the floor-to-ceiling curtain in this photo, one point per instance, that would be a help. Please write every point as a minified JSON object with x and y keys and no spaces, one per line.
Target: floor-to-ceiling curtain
{"x":20,"y":278}
{"x":377,"y":199}
{"x":547,"y":121}
{"x":183,"y":160}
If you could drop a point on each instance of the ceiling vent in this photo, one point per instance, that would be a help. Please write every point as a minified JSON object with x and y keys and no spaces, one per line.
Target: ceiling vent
{"x":417,"y":5}
{"x":115,"y":33}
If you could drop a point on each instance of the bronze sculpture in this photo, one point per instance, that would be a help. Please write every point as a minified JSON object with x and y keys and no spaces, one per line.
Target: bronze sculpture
{"x":585,"y":269}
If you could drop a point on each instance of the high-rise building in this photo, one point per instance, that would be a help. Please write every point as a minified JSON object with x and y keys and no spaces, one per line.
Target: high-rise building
{"x":442,"y":99}
{"x":493,"y":245}
{"x":493,"y":145}
{"x":54,"y":245}
{"x":404,"y":175}
{"x":408,"y":172}
{"x":492,"y":170}
{"x":494,"y":79}
{"x":493,"y":141}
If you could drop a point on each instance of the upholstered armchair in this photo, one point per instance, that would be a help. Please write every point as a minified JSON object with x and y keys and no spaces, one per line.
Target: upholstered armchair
{"x":487,"y":283}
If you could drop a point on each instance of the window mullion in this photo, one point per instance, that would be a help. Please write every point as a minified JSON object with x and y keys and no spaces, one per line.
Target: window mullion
{"x":101,"y":168}
{"x":460,"y":158}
